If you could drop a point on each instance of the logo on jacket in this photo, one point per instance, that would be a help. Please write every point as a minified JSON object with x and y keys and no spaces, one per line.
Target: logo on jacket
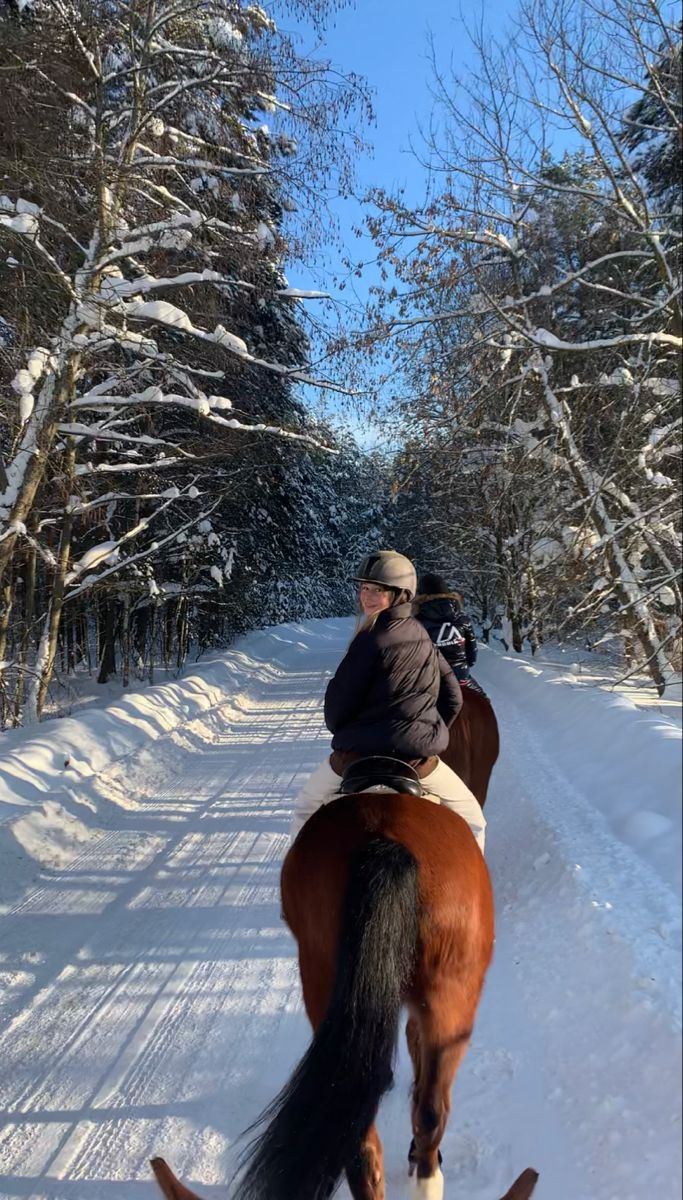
{"x":449,"y":635}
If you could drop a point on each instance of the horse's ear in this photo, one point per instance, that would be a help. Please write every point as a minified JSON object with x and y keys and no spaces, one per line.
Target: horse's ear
{"x":172,"y":1188}
{"x":523,"y":1187}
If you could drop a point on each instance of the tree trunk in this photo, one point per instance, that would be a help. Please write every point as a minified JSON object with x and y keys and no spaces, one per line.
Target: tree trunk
{"x":6,"y":594}
{"x":517,"y":631}
{"x":25,"y":472}
{"x":182,"y":632}
{"x":125,"y":641}
{"x":5,"y":612}
{"x":108,"y":643}
{"x":168,"y":634}
{"x":142,"y":622}
{"x":29,"y":608}
{"x":85,"y":638}
{"x":485,"y":620}
{"x":47,"y":649}
{"x":152,"y":636}
{"x":534,"y":633}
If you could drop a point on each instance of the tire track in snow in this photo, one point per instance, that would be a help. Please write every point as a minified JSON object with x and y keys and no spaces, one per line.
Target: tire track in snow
{"x":147,"y":898}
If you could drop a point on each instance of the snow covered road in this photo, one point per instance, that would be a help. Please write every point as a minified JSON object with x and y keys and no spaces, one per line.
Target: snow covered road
{"x":151,"y":1000}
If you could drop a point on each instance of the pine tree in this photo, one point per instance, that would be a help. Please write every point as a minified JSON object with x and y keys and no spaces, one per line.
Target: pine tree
{"x":653,"y":128}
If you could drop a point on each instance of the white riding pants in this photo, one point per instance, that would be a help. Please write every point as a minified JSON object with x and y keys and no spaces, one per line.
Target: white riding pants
{"x":442,"y":786}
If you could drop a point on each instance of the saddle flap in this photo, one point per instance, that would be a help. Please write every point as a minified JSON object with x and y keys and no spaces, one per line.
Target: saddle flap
{"x":377,"y":770}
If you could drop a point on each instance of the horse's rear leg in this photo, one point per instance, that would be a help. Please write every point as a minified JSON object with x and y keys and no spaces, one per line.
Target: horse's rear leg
{"x":366,"y":1173}
{"x":445,"y":1028}
{"x":413,"y":1040}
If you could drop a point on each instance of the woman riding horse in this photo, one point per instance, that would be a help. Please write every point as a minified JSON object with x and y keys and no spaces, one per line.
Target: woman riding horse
{"x":392,"y":694}
{"x":390,"y":902}
{"x":440,"y":609}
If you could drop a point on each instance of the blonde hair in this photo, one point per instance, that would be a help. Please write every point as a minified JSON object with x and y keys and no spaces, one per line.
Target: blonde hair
{"x":364,"y":623}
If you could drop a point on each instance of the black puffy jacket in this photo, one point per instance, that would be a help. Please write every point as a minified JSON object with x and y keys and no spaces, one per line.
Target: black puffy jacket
{"x":448,"y":627}
{"x":392,"y":693}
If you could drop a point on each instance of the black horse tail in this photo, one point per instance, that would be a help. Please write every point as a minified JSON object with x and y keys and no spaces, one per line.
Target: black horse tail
{"x":317,"y":1123}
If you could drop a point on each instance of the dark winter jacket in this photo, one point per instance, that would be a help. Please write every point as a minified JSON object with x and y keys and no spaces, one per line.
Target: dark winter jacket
{"x":450,"y":630}
{"x":392,"y":693}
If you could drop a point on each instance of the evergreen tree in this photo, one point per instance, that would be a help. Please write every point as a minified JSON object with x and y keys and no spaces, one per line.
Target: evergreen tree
{"x":153,"y":344}
{"x":653,"y":128}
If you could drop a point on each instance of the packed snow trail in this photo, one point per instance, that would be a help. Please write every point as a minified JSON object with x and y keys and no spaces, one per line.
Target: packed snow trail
{"x":153,"y":1002}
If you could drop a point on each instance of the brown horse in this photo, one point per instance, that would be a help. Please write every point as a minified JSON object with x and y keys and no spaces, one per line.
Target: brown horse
{"x":390,"y":902}
{"x":474,"y":743}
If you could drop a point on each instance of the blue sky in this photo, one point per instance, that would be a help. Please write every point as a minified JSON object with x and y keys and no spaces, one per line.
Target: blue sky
{"x":386,"y":41}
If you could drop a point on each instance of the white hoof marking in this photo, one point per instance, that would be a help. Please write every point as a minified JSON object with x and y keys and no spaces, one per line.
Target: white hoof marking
{"x":427,"y":1189}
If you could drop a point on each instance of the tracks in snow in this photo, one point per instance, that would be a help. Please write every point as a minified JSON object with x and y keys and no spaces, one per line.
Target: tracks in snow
{"x":156,"y":1002}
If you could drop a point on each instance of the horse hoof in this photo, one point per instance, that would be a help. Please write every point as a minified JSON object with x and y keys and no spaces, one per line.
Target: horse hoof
{"x":427,"y":1189}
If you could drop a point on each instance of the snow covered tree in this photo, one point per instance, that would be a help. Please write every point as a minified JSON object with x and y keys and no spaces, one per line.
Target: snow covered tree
{"x":315,"y":518}
{"x":540,"y":317}
{"x":652,"y":127}
{"x":149,"y":324}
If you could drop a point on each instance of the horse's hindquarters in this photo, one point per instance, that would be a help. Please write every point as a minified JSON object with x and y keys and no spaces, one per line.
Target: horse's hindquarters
{"x":455,"y":897}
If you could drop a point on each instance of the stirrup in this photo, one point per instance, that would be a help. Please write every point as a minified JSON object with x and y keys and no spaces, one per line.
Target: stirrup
{"x":377,"y":769}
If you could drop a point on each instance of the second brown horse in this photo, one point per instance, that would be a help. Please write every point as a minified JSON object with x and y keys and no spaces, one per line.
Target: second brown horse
{"x":474,"y":743}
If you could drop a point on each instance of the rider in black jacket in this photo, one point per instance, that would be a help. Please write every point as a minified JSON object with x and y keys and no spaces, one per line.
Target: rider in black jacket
{"x":439,"y":609}
{"x":392,"y":694}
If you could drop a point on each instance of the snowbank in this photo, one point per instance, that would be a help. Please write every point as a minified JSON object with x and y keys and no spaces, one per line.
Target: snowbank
{"x":59,"y":781}
{"x":63,"y":783}
{"x":625,"y":761}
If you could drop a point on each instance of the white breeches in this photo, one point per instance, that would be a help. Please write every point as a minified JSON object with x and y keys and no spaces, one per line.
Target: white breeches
{"x":442,"y":786}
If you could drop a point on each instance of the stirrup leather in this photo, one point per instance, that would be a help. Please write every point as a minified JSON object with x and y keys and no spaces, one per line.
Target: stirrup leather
{"x":378,"y":769}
